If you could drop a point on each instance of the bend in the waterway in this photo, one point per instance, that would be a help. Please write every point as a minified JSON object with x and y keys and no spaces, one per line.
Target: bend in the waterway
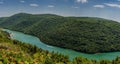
{"x":72,"y":54}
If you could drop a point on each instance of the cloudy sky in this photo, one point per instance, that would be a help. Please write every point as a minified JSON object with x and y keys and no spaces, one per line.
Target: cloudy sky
{"x":109,"y":9}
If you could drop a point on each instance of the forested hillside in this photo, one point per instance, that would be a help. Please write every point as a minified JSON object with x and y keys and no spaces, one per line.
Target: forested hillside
{"x":15,"y":52}
{"x":83,"y":34}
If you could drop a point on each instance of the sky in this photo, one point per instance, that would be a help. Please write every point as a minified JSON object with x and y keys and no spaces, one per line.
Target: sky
{"x":108,"y":9}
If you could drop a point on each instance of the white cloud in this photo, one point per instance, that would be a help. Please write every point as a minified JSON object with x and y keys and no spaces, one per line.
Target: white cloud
{"x":112,"y":5}
{"x":75,"y":7}
{"x":22,"y":1}
{"x":1,"y":2}
{"x":99,"y":6}
{"x":82,"y":1}
{"x":118,"y":0}
{"x":51,"y":6}
{"x":34,"y":5}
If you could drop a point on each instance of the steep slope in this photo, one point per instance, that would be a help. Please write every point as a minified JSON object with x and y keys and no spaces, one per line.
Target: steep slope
{"x":84,"y":34}
{"x":15,"y":52}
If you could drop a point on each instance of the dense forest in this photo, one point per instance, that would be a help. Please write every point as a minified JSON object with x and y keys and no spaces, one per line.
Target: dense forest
{"x":83,"y":34}
{"x":16,"y":52}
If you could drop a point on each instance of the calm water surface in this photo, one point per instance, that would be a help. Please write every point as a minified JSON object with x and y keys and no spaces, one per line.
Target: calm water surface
{"x":72,"y":54}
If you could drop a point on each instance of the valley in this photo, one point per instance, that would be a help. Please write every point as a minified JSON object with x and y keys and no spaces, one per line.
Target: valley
{"x":82,"y":34}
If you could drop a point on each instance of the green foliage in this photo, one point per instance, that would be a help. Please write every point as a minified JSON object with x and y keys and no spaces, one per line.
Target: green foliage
{"x":15,"y":52}
{"x":84,"y":34}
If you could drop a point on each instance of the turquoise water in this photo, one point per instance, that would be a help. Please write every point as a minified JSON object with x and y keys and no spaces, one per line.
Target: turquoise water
{"x":72,"y":54}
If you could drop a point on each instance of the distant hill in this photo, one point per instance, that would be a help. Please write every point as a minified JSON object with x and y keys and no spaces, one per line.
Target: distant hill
{"x":83,"y":34}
